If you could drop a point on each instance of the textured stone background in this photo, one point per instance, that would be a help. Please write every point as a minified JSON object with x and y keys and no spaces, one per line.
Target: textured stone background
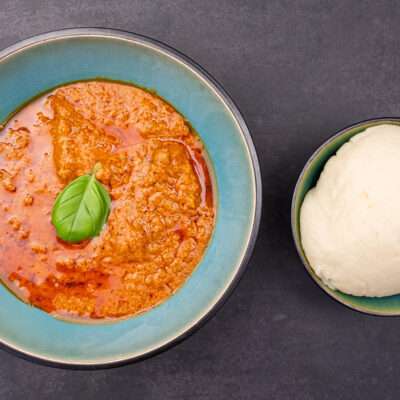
{"x":299,"y":71}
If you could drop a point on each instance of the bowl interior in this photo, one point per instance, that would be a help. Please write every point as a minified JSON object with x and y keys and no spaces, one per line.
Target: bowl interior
{"x":389,"y":305}
{"x":53,"y":59}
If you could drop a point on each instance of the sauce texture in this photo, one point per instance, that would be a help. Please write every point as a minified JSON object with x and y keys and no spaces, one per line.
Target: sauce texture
{"x":152,"y":164}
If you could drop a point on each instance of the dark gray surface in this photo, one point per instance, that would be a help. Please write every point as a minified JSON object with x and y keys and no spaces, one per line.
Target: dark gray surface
{"x":299,"y":71}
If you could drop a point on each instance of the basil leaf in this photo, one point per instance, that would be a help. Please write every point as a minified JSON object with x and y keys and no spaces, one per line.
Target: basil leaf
{"x":81,"y":209}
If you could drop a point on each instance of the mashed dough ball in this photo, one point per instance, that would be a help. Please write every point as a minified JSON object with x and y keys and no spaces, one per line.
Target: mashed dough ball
{"x":350,"y":222}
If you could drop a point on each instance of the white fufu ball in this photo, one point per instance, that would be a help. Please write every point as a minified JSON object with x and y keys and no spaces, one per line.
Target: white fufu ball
{"x":350,"y":222}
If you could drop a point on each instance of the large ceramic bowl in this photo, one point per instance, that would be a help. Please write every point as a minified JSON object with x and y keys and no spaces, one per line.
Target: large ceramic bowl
{"x":385,"y":306}
{"x":43,"y":62}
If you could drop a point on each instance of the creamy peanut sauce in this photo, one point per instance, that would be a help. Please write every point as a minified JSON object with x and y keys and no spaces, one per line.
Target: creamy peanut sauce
{"x":154,"y":168}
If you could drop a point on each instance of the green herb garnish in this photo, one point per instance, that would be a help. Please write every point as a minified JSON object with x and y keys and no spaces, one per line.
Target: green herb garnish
{"x":81,"y":209}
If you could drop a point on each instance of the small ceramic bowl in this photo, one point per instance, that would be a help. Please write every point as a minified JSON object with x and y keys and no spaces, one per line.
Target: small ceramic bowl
{"x":43,"y":62}
{"x":385,"y":306}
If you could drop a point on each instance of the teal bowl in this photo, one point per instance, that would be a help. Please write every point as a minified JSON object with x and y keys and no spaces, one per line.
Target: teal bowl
{"x":45,"y":61}
{"x":384,"y":306}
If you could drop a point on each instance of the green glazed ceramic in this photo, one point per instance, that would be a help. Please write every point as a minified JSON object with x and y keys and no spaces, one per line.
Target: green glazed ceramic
{"x":43,"y":62}
{"x":385,"y":306}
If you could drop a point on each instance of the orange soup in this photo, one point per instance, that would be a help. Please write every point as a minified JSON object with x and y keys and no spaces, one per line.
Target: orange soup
{"x":154,"y":168}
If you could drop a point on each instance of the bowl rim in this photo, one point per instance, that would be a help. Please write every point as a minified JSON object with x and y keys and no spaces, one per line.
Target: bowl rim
{"x":227,"y":100}
{"x":293,"y":217}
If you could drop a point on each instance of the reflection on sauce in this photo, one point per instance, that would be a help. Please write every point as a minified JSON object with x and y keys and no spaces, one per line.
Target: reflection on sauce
{"x":162,"y":213}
